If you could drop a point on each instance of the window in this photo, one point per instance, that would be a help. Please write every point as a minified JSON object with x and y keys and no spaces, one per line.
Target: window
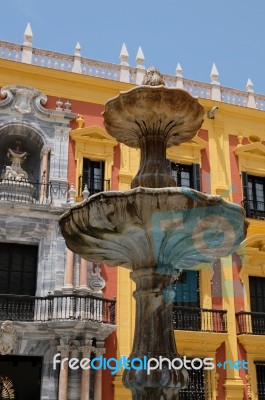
{"x":257,"y":304}
{"x":254,"y":196}
{"x":186,"y":175}
{"x":260,"y":370}
{"x":18,"y":268}
{"x":93,"y":177}
{"x":186,"y":311}
{"x":197,"y":388}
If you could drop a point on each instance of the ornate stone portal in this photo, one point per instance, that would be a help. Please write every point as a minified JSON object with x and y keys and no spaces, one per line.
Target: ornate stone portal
{"x":155,"y":229}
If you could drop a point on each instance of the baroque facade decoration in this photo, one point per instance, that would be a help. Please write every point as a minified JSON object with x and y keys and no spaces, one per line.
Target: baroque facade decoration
{"x":54,"y":152}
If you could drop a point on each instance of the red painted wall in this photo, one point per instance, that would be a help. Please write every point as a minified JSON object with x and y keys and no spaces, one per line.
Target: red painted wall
{"x":205,"y":164}
{"x":238,"y":286}
{"x":242,"y":355}
{"x":220,"y":357}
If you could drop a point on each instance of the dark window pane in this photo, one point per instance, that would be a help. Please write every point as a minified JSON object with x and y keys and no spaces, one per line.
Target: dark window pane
{"x":18,"y":268}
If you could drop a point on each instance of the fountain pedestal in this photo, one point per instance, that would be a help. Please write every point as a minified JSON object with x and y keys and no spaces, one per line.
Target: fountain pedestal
{"x":154,"y":339}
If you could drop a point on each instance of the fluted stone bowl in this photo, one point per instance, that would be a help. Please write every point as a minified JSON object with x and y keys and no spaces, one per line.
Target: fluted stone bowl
{"x":170,"y":228}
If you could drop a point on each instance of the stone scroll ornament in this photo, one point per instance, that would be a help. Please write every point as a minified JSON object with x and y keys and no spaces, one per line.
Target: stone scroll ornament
{"x":155,"y":229}
{"x":8,"y":337}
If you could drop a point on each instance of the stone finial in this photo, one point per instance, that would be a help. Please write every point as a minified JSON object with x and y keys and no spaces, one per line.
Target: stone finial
{"x":59,"y":104}
{"x":216,"y":91}
{"x":85,"y":193}
{"x":77,"y":50}
{"x":124,"y":65}
{"x":27,"y":45}
{"x":28,"y":35}
{"x":251,"y":102}
{"x":124,"y":55}
{"x":250,"y":86}
{"x":214,"y":74}
{"x":72,"y":192}
{"x":179,"y":71}
{"x":140,"y":69}
{"x":77,"y":67}
{"x":179,"y":82}
{"x":153,"y":77}
{"x":140,"y":58}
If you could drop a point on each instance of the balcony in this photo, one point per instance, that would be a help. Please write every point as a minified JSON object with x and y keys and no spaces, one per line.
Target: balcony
{"x":26,"y":192}
{"x":199,"y":319}
{"x":57,"y":308}
{"x":250,"y":323}
{"x":254,"y":209}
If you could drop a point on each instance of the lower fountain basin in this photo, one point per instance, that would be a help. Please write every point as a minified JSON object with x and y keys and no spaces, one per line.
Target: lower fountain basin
{"x":170,"y":228}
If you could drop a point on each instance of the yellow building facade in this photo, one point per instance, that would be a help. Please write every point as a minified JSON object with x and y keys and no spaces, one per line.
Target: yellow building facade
{"x":225,"y":318}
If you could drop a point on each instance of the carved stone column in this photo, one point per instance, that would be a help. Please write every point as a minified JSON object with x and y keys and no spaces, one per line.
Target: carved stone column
{"x":83,"y":276}
{"x":98,"y":377}
{"x":44,"y":174}
{"x":85,"y":379}
{"x":69,"y":272}
{"x":63,"y":377}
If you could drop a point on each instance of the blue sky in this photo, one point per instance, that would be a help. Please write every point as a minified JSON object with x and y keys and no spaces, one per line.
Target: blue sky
{"x":191,"y":32}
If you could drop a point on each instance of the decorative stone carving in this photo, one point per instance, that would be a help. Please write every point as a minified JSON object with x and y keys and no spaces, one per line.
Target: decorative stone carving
{"x":22,"y":103}
{"x":96,"y":282}
{"x":8,"y":337}
{"x":27,"y":100}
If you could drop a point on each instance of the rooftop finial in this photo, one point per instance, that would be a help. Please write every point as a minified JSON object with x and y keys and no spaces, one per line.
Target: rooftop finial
{"x":153,"y":78}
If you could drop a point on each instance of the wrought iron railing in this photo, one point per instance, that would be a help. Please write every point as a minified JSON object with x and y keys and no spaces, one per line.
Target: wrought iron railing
{"x":21,"y":191}
{"x":254,"y":209}
{"x":56,"y":308}
{"x":93,"y":185}
{"x":199,"y":387}
{"x":260,"y":373}
{"x":251,"y":323}
{"x":199,"y":319}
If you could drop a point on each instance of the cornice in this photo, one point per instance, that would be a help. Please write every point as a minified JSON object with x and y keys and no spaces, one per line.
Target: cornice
{"x":58,"y":83}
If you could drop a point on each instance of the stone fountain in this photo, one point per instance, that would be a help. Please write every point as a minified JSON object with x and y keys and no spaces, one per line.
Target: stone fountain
{"x":155,"y":229}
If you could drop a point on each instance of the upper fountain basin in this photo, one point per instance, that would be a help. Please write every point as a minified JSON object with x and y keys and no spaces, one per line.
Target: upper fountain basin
{"x":147,"y":110}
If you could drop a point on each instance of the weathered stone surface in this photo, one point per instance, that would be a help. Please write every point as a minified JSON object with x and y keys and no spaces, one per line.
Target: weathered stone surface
{"x":153,"y":231}
{"x":170,"y":228}
{"x":153,"y":118}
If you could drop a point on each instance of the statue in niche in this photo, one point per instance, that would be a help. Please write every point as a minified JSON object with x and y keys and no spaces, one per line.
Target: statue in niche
{"x":15,"y":171}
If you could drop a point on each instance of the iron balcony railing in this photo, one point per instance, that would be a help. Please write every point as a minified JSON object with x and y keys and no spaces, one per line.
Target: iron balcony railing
{"x":95,"y":185}
{"x":199,"y":319}
{"x":254,"y":209}
{"x":57,"y":308}
{"x":21,"y":191}
{"x":199,"y":387}
{"x":250,"y":323}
